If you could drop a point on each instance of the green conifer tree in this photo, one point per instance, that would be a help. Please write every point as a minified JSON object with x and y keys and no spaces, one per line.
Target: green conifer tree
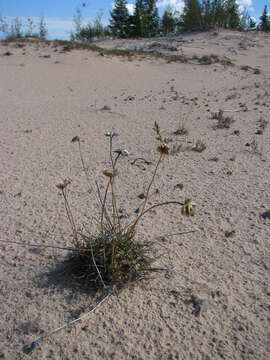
{"x":137,"y":19}
{"x":168,"y":21}
{"x":150,"y":18}
{"x":206,"y":14}
{"x":192,"y":16}
{"x":218,"y":13}
{"x":119,"y":22}
{"x":265,"y":20}
{"x":232,"y":14}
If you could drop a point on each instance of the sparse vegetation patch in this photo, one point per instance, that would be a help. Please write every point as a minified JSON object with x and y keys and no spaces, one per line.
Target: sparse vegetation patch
{"x":223,"y":122}
{"x":111,"y":255}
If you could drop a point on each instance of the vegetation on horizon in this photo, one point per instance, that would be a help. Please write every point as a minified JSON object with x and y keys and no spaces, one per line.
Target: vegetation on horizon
{"x":197,"y":15}
{"x":16,"y":29}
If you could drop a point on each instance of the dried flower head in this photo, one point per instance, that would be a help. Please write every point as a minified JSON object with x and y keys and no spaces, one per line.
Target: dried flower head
{"x":110,"y":173}
{"x":111,"y":134}
{"x":62,"y":185}
{"x":122,"y":152}
{"x":189,"y":208}
{"x":163,"y":149}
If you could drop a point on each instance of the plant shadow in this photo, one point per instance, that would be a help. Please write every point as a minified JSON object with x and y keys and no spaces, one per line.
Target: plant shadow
{"x":61,"y":277}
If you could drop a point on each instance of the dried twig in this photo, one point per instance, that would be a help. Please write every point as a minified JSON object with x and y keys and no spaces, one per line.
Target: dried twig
{"x":40,"y":246}
{"x":37,"y":343}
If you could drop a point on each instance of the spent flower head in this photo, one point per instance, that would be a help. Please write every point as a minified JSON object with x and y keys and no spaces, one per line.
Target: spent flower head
{"x":122,"y":152}
{"x":111,"y":134}
{"x":163,"y":149}
{"x":63,"y":184}
{"x":110,"y":173}
{"x":189,"y":208}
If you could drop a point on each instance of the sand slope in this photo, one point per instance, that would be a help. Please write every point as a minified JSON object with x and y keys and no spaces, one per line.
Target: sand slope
{"x":45,"y":102}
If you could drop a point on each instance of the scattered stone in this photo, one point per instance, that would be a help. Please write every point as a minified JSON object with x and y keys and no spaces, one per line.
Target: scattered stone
{"x":179,"y":186}
{"x":45,"y":56}
{"x":200,"y":305}
{"x":137,"y":211}
{"x":215,"y":159}
{"x":129,"y":98}
{"x":7,"y":53}
{"x":265,"y":215}
{"x":229,"y":234}
{"x":141,"y":196}
{"x":259,"y":132}
{"x":105,"y":108}
{"x":236,"y":132}
{"x":75,"y":139}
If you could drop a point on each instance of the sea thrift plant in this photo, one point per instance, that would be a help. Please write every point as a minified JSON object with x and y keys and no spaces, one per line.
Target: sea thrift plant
{"x":112,"y":256}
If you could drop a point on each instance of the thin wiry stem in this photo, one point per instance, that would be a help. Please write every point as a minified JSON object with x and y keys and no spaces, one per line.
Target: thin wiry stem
{"x":71,"y":218}
{"x":37,"y":343}
{"x":104,"y":204}
{"x":113,"y":203}
{"x":148,"y":191}
{"x":113,"y":229}
{"x":98,"y":195}
{"x":179,"y":233}
{"x":39,"y":245}
{"x":95,"y":264}
{"x":113,"y":163}
{"x":162,"y":204}
{"x":111,"y":155}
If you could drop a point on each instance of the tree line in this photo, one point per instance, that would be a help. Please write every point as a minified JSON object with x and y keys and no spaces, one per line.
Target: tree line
{"x":197,"y":15}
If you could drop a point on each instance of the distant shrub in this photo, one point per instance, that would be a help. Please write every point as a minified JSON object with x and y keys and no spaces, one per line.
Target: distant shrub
{"x":223,"y":122}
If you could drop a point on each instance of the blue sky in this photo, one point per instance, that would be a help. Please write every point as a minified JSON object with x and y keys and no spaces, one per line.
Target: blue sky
{"x":59,"y":13}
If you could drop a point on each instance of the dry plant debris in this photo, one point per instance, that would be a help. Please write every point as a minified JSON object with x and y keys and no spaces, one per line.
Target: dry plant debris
{"x":223,"y":122}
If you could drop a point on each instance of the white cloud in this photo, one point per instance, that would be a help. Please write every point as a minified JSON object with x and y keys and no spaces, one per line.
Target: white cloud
{"x":179,"y":4}
{"x":174,"y":4}
{"x":245,"y":4}
{"x":131,"y":8}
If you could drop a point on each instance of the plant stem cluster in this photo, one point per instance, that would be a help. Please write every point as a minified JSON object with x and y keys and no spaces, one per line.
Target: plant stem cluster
{"x":111,"y":255}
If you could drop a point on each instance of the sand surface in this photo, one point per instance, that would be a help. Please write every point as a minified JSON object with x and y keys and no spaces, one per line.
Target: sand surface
{"x":47,"y":100}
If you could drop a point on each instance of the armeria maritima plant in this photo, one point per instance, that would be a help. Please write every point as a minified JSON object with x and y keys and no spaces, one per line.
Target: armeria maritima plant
{"x":112,"y":256}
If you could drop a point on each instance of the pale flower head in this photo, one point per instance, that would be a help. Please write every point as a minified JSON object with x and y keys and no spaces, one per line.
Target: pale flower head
{"x":111,"y":134}
{"x":122,"y":152}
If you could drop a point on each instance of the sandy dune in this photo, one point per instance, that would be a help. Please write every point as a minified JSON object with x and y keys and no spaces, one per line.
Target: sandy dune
{"x":212,"y":302}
